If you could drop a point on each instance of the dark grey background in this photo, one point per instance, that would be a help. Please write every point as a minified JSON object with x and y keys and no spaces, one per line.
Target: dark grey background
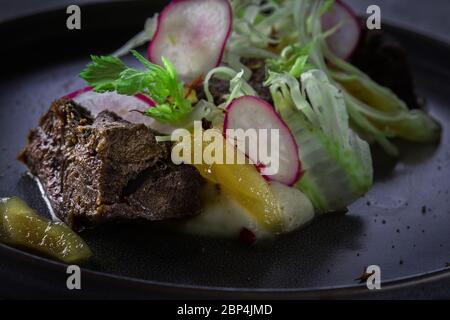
{"x":431,"y":17}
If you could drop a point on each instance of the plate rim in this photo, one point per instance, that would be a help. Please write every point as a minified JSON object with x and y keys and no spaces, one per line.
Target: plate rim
{"x":343,"y":291}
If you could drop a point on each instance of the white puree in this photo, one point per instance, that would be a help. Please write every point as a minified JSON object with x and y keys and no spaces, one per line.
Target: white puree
{"x":224,"y":217}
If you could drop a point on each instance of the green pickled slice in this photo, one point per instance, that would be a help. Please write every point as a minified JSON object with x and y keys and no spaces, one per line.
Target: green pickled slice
{"x":21,"y":226}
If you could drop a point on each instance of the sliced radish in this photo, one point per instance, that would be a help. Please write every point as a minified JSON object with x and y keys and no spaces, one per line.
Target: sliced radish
{"x":122,"y":105}
{"x":192,"y":34}
{"x":250,"y":112}
{"x":345,"y":40}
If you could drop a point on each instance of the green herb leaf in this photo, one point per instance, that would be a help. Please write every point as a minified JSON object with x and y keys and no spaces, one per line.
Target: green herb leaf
{"x":293,"y":60}
{"x":102,"y":71}
{"x":161,"y":83}
{"x":326,"y":7}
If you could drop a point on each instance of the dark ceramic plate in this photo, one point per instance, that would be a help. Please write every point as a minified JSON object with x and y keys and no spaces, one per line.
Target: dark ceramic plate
{"x":402,"y":225}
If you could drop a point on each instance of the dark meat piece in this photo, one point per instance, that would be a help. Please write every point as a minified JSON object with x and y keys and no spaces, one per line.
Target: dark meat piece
{"x":94,"y":170}
{"x":217,"y":87}
{"x":220,"y":87}
{"x":378,"y":55}
{"x":386,"y":61}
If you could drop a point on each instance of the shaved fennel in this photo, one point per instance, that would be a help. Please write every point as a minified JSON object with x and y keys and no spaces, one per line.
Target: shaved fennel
{"x":337,"y":164}
{"x":375,"y":112}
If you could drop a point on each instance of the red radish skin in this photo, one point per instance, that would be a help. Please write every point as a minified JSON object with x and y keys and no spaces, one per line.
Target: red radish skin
{"x":291,"y":170}
{"x":345,"y":40}
{"x":163,"y":39}
{"x":145,"y":99}
{"x":76,"y":93}
{"x":122,"y":105}
{"x":247,"y":236}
